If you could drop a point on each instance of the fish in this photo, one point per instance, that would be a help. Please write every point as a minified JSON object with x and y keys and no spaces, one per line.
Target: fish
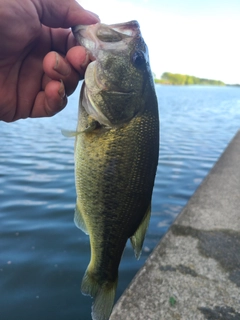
{"x":116,"y":152}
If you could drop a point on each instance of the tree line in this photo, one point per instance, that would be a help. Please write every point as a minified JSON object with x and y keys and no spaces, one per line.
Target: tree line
{"x":184,"y":79}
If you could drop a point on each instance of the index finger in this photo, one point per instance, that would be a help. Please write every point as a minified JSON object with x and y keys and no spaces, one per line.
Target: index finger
{"x":63,"y":13}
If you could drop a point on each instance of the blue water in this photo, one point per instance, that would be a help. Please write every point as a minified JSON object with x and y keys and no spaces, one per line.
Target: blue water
{"x":42,"y":254}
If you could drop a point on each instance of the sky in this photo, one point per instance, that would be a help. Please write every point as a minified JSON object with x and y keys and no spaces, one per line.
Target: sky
{"x":194,"y":37}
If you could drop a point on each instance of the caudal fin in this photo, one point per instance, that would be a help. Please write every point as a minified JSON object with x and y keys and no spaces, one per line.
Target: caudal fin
{"x":103,"y":296}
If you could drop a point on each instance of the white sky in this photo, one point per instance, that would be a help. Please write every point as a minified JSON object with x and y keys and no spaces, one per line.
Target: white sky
{"x":195,"y":37}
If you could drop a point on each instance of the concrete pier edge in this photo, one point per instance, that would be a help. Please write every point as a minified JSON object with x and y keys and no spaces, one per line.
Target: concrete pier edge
{"x":194,"y":272}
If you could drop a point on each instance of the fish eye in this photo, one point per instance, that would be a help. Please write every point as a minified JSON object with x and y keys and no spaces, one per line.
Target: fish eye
{"x":106,"y":34}
{"x":138,"y":59}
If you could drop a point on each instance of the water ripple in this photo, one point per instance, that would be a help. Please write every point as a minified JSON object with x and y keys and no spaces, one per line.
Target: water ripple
{"x":43,"y":256}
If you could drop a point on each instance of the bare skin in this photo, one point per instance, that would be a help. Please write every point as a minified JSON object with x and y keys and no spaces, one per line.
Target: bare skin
{"x":39,"y":62}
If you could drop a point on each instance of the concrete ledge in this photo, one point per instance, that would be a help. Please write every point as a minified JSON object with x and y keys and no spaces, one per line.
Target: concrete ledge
{"x":194,"y":272}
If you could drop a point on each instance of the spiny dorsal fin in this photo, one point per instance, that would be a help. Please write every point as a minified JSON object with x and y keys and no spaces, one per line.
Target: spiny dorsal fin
{"x":138,"y":237}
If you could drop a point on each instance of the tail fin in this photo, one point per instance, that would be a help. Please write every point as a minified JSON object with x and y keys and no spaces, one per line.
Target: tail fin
{"x":103,"y":296}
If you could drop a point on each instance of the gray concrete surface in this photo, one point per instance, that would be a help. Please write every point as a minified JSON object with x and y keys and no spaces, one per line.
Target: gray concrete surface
{"x":194,"y":272}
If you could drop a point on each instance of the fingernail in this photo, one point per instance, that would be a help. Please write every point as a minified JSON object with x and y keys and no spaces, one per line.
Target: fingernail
{"x":61,"y":90}
{"x":61,"y":67}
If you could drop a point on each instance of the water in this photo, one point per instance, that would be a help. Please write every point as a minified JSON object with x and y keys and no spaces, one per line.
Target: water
{"x":43,"y":255}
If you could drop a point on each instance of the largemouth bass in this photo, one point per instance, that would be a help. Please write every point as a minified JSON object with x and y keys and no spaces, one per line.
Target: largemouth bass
{"x":116,"y":153}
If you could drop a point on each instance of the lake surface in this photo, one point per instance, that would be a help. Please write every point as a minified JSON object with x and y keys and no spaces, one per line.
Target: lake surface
{"x":43,"y":255}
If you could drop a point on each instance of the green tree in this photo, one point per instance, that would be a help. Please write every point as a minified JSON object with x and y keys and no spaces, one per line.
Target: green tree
{"x":183,"y":79}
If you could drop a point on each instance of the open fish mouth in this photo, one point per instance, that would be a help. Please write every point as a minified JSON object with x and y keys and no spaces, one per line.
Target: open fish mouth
{"x":96,"y":36}
{"x":108,"y":33}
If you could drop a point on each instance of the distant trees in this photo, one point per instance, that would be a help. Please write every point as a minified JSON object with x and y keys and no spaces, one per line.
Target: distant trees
{"x":183,"y":79}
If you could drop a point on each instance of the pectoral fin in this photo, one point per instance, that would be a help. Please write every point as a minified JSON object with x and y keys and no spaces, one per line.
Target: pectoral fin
{"x":79,"y":221}
{"x":138,"y":237}
{"x":69,"y":133}
{"x":90,"y":126}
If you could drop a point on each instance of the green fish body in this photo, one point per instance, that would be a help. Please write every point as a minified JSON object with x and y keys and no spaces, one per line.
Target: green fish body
{"x":116,"y":153}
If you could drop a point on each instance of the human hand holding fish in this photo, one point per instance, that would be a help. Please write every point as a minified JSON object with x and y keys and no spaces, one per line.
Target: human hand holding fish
{"x":39,"y":62}
{"x":117,"y":136}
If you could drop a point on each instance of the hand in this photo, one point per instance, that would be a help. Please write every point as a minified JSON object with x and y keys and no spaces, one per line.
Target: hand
{"x":39,"y":64}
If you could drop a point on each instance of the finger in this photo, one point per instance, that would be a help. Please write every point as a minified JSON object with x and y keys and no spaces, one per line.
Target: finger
{"x":50,"y":101}
{"x":64,"y":40}
{"x":63,"y":13}
{"x":78,"y":57}
{"x":58,"y":68}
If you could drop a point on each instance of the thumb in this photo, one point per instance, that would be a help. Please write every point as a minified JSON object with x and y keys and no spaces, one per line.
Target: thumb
{"x":63,"y":13}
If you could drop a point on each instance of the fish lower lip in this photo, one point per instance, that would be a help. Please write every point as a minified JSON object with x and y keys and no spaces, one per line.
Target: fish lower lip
{"x":121,"y":92}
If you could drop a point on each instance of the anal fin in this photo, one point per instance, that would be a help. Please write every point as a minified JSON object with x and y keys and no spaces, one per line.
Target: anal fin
{"x":138,"y":237}
{"x":79,"y":221}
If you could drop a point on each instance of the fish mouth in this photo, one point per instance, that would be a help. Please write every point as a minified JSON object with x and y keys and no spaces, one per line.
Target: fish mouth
{"x":130,"y":29}
{"x":95,"y":36}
